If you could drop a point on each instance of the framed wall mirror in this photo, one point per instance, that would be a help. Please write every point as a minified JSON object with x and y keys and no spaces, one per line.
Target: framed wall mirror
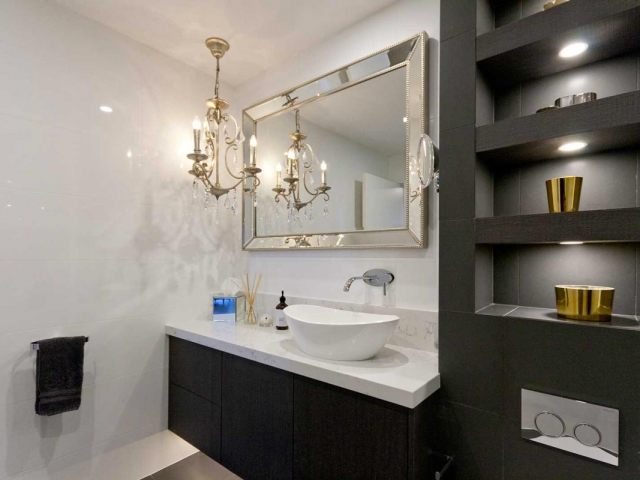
{"x":339,"y":157}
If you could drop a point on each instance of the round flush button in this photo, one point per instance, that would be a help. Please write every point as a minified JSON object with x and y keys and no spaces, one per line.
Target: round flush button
{"x":587,"y":434}
{"x":549,"y":424}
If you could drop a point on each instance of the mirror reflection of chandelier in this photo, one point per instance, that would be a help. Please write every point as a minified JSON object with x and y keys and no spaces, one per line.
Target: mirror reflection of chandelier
{"x":299,"y":174}
{"x":222,"y":137}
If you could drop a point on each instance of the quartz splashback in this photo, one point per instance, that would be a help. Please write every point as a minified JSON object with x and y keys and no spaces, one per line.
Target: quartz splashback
{"x":416,"y":329}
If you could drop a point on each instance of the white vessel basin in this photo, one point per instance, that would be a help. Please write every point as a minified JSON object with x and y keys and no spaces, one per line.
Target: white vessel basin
{"x":338,"y":334}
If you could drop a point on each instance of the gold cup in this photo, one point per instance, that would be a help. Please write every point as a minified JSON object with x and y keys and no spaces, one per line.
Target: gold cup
{"x":563,"y":194}
{"x":584,"y":302}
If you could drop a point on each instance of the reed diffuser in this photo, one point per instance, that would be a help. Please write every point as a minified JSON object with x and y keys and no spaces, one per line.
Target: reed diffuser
{"x":251,"y":292}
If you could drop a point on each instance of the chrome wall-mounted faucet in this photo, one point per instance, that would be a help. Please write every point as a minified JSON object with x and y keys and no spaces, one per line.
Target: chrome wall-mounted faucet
{"x":376,"y":278}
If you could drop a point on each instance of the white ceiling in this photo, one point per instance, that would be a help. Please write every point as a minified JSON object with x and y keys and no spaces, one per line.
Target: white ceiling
{"x":262,"y":33}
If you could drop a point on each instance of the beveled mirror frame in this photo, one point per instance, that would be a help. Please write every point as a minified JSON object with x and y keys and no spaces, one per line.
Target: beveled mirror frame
{"x":413,"y":235}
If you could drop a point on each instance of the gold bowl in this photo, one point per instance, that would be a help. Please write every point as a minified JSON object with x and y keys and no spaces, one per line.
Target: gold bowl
{"x":563,"y":194}
{"x":584,"y":302}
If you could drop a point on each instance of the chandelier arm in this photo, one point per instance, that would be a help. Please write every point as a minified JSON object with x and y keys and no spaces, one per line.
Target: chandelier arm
{"x":304,"y":182}
{"x":308,"y":164}
{"x":236,"y":129}
{"x":240,"y":177}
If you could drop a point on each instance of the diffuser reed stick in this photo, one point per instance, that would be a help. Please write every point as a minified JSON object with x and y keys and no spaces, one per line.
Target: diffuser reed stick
{"x":251,"y":292}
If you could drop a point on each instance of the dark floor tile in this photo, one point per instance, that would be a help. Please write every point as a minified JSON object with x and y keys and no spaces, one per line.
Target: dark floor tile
{"x":474,"y":437}
{"x":195,"y":467}
{"x":207,"y":466}
{"x":471,"y":349}
{"x":526,"y":460}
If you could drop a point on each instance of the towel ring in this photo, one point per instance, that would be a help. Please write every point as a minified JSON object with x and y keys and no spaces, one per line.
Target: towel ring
{"x":35,"y":347}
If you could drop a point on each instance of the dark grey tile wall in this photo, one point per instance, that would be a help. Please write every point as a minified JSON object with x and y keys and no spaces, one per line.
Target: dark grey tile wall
{"x":475,"y":438}
{"x":526,"y":275}
{"x":485,"y":360}
{"x":610,"y":181}
{"x":607,"y":78}
{"x":457,"y":266}
{"x":511,"y":11}
{"x":458,"y":80}
{"x":474,"y":383}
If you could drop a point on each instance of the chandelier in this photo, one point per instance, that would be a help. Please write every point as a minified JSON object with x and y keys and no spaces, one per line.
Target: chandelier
{"x":222,"y":136}
{"x":300,"y":161}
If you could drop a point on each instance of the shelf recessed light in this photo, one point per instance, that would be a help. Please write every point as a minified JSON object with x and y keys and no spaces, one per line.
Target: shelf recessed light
{"x":106,"y":109}
{"x":571,"y":243}
{"x":572,"y":146}
{"x":573,"y":50}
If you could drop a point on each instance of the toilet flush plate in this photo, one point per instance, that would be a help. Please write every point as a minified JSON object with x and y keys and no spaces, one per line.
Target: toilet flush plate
{"x":571,"y":425}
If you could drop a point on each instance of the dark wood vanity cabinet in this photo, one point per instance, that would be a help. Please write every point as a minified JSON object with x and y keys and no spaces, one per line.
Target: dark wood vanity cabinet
{"x":257,"y":419}
{"x":263,"y":423}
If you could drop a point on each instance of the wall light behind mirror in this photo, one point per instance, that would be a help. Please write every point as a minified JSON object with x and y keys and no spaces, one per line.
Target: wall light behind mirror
{"x":572,"y":146}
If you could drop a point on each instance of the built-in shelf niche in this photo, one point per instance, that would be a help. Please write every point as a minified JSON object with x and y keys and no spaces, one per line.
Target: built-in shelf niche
{"x":525,"y":275}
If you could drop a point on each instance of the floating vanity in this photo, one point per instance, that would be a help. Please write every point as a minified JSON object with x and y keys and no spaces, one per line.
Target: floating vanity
{"x":249,"y":398}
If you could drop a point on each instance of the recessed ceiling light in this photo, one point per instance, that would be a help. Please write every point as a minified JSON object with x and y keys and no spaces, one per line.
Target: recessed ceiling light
{"x":106,"y":109}
{"x":572,"y":146}
{"x":571,"y":243}
{"x":573,"y":49}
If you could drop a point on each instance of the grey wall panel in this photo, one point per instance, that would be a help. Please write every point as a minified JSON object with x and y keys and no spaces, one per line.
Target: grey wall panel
{"x":607,"y":78}
{"x":458,"y":81}
{"x":460,"y":17}
{"x":507,"y":103}
{"x":506,"y":191}
{"x":609,"y":181}
{"x":484,"y":191}
{"x":507,"y":13}
{"x":471,"y":359}
{"x":457,"y":160}
{"x":541,"y":267}
{"x":577,"y":361}
{"x":457,"y":266}
{"x":506,"y":279}
{"x":475,"y":438}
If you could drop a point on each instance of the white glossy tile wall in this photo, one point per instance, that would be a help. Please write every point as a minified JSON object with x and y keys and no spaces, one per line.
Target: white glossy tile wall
{"x":321,"y":274}
{"x":98,"y":238}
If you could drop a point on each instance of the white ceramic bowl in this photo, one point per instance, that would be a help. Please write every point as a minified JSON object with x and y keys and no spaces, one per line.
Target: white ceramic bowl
{"x":338,"y":334}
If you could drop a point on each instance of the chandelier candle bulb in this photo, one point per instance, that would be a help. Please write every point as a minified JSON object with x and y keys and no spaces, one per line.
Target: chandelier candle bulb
{"x":278,"y":175}
{"x":197,"y":127}
{"x":323,"y":168}
{"x":252,"y":144}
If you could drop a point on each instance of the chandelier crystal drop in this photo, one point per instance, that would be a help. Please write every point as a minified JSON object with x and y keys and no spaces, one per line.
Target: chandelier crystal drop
{"x":222,"y":138}
{"x":299,"y":175}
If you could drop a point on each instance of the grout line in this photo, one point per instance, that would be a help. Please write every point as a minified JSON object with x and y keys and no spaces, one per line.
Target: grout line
{"x":117,"y":319}
{"x":94,"y":384}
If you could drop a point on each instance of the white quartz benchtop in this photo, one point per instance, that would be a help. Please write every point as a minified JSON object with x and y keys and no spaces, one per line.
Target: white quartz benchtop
{"x":400,"y":375}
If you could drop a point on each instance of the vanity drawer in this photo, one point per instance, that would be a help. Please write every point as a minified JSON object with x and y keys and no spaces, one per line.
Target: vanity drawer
{"x":195,"y":368}
{"x":196,"y":420}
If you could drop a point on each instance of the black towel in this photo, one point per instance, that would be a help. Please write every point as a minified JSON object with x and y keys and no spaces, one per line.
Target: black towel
{"x":59,"y":375}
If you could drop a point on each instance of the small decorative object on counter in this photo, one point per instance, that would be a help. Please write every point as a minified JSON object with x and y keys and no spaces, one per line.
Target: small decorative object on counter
{"x":552,"y":4}
{"x":584,"y":302}
{"x":565,"y":101}
{"x":281,"y":319}
{"x":576,"y":99}
{"x":265,"y":320}
{"x":251,"y":291}
{"x":229,"y":308}
{"x":546,"y":109}
{"x":563,"y":194}
{"x":584,"y":97}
